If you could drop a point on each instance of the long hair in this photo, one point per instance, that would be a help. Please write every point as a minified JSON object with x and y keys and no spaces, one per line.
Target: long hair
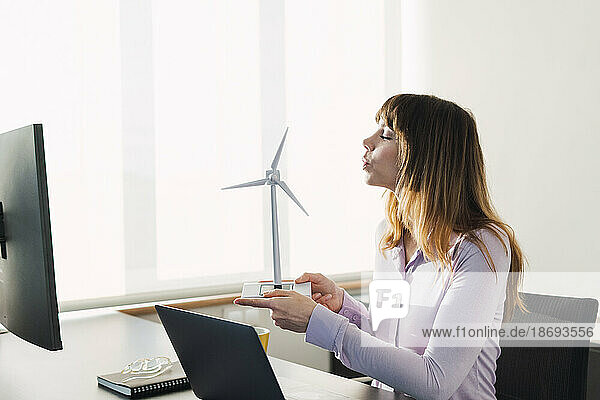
{"x":441,"y":185}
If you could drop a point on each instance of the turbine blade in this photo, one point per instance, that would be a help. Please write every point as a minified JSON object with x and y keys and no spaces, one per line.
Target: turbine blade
{"x":259,"y":182}
{"x":278,"y":154}
{"x":289,"y":193}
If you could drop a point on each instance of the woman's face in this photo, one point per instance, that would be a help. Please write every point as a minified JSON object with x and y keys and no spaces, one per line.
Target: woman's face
{"x":379,"y":161}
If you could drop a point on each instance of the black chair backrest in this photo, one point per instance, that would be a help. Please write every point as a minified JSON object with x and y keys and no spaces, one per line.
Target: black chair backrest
{"x":532,"y":372}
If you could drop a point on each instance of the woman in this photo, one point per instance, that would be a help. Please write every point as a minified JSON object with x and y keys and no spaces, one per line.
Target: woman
{"x":442,"y":235}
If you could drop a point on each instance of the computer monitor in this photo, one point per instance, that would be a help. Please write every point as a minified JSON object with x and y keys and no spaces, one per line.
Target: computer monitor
{"x":28,"y":305}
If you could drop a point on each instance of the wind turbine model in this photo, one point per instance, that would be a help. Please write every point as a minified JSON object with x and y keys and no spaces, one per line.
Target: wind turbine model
{"x":257,"y":289}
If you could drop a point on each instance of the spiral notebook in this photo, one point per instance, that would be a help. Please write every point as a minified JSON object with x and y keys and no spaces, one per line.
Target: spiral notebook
{"x":170,"y":381}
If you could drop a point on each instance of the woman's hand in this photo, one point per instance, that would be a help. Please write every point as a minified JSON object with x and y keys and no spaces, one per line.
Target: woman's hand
{"x":324,"y":290}
{"x":290,"y":310}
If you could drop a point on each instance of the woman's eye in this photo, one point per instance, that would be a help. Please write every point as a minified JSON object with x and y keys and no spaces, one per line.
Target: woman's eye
{"x":386,"y":138}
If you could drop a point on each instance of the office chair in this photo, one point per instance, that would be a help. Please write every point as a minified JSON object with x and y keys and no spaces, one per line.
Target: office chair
{"x":525,"y":372}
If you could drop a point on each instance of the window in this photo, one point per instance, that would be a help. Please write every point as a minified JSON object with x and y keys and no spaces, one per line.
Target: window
{"x":149,"y":108}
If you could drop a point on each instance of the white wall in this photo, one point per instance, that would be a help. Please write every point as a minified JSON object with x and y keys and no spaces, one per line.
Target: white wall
{"x":529,"y":72}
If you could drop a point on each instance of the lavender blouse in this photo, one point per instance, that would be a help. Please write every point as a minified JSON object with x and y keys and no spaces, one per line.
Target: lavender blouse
{"x":399,"y":355}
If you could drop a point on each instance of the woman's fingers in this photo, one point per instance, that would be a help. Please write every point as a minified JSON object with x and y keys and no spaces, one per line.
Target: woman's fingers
{"x":278,"y":293}
{"x":307,"y":277}
{"x":319,"y":282}
{"x":261,"y":303}
{"x":302,"y":278}
{"x":310,"y":277}
{"x":323,"y":299}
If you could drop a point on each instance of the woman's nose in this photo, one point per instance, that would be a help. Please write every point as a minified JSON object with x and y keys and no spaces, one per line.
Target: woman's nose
{"x":366,"y":145}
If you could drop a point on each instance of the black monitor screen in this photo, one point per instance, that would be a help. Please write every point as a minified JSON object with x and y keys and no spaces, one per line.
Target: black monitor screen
{"x":28,"y":305}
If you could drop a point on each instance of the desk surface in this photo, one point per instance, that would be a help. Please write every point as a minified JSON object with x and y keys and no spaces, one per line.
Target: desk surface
{"x":98,"y":342}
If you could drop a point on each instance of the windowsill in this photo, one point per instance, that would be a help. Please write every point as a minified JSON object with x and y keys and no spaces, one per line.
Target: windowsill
{"x":206,"y":301}
{"x":216,"y":294}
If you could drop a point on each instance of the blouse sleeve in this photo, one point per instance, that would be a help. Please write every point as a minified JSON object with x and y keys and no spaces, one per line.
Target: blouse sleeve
{"x":472,"y":297}
{"x":355,"y":312}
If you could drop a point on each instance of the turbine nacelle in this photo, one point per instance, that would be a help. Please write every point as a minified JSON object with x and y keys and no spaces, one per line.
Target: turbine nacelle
{"x":272,"y":176}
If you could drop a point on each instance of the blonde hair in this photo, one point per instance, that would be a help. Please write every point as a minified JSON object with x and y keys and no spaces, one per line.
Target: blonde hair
{"x":441,"y":185}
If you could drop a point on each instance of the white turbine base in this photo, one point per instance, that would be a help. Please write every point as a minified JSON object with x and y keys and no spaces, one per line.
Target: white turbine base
{"x":256,"y":289}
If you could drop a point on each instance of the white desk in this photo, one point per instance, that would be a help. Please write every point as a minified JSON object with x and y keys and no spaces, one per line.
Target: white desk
{"x":102,"y":342}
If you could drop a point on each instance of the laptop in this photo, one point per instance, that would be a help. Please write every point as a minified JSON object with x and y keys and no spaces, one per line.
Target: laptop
{"x":224,"y":360}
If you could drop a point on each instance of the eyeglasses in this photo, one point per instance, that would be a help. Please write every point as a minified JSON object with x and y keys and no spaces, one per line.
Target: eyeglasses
{"x":146,"y":368}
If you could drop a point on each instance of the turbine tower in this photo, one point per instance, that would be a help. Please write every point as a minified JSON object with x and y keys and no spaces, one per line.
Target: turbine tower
{"x":273,"y":179}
